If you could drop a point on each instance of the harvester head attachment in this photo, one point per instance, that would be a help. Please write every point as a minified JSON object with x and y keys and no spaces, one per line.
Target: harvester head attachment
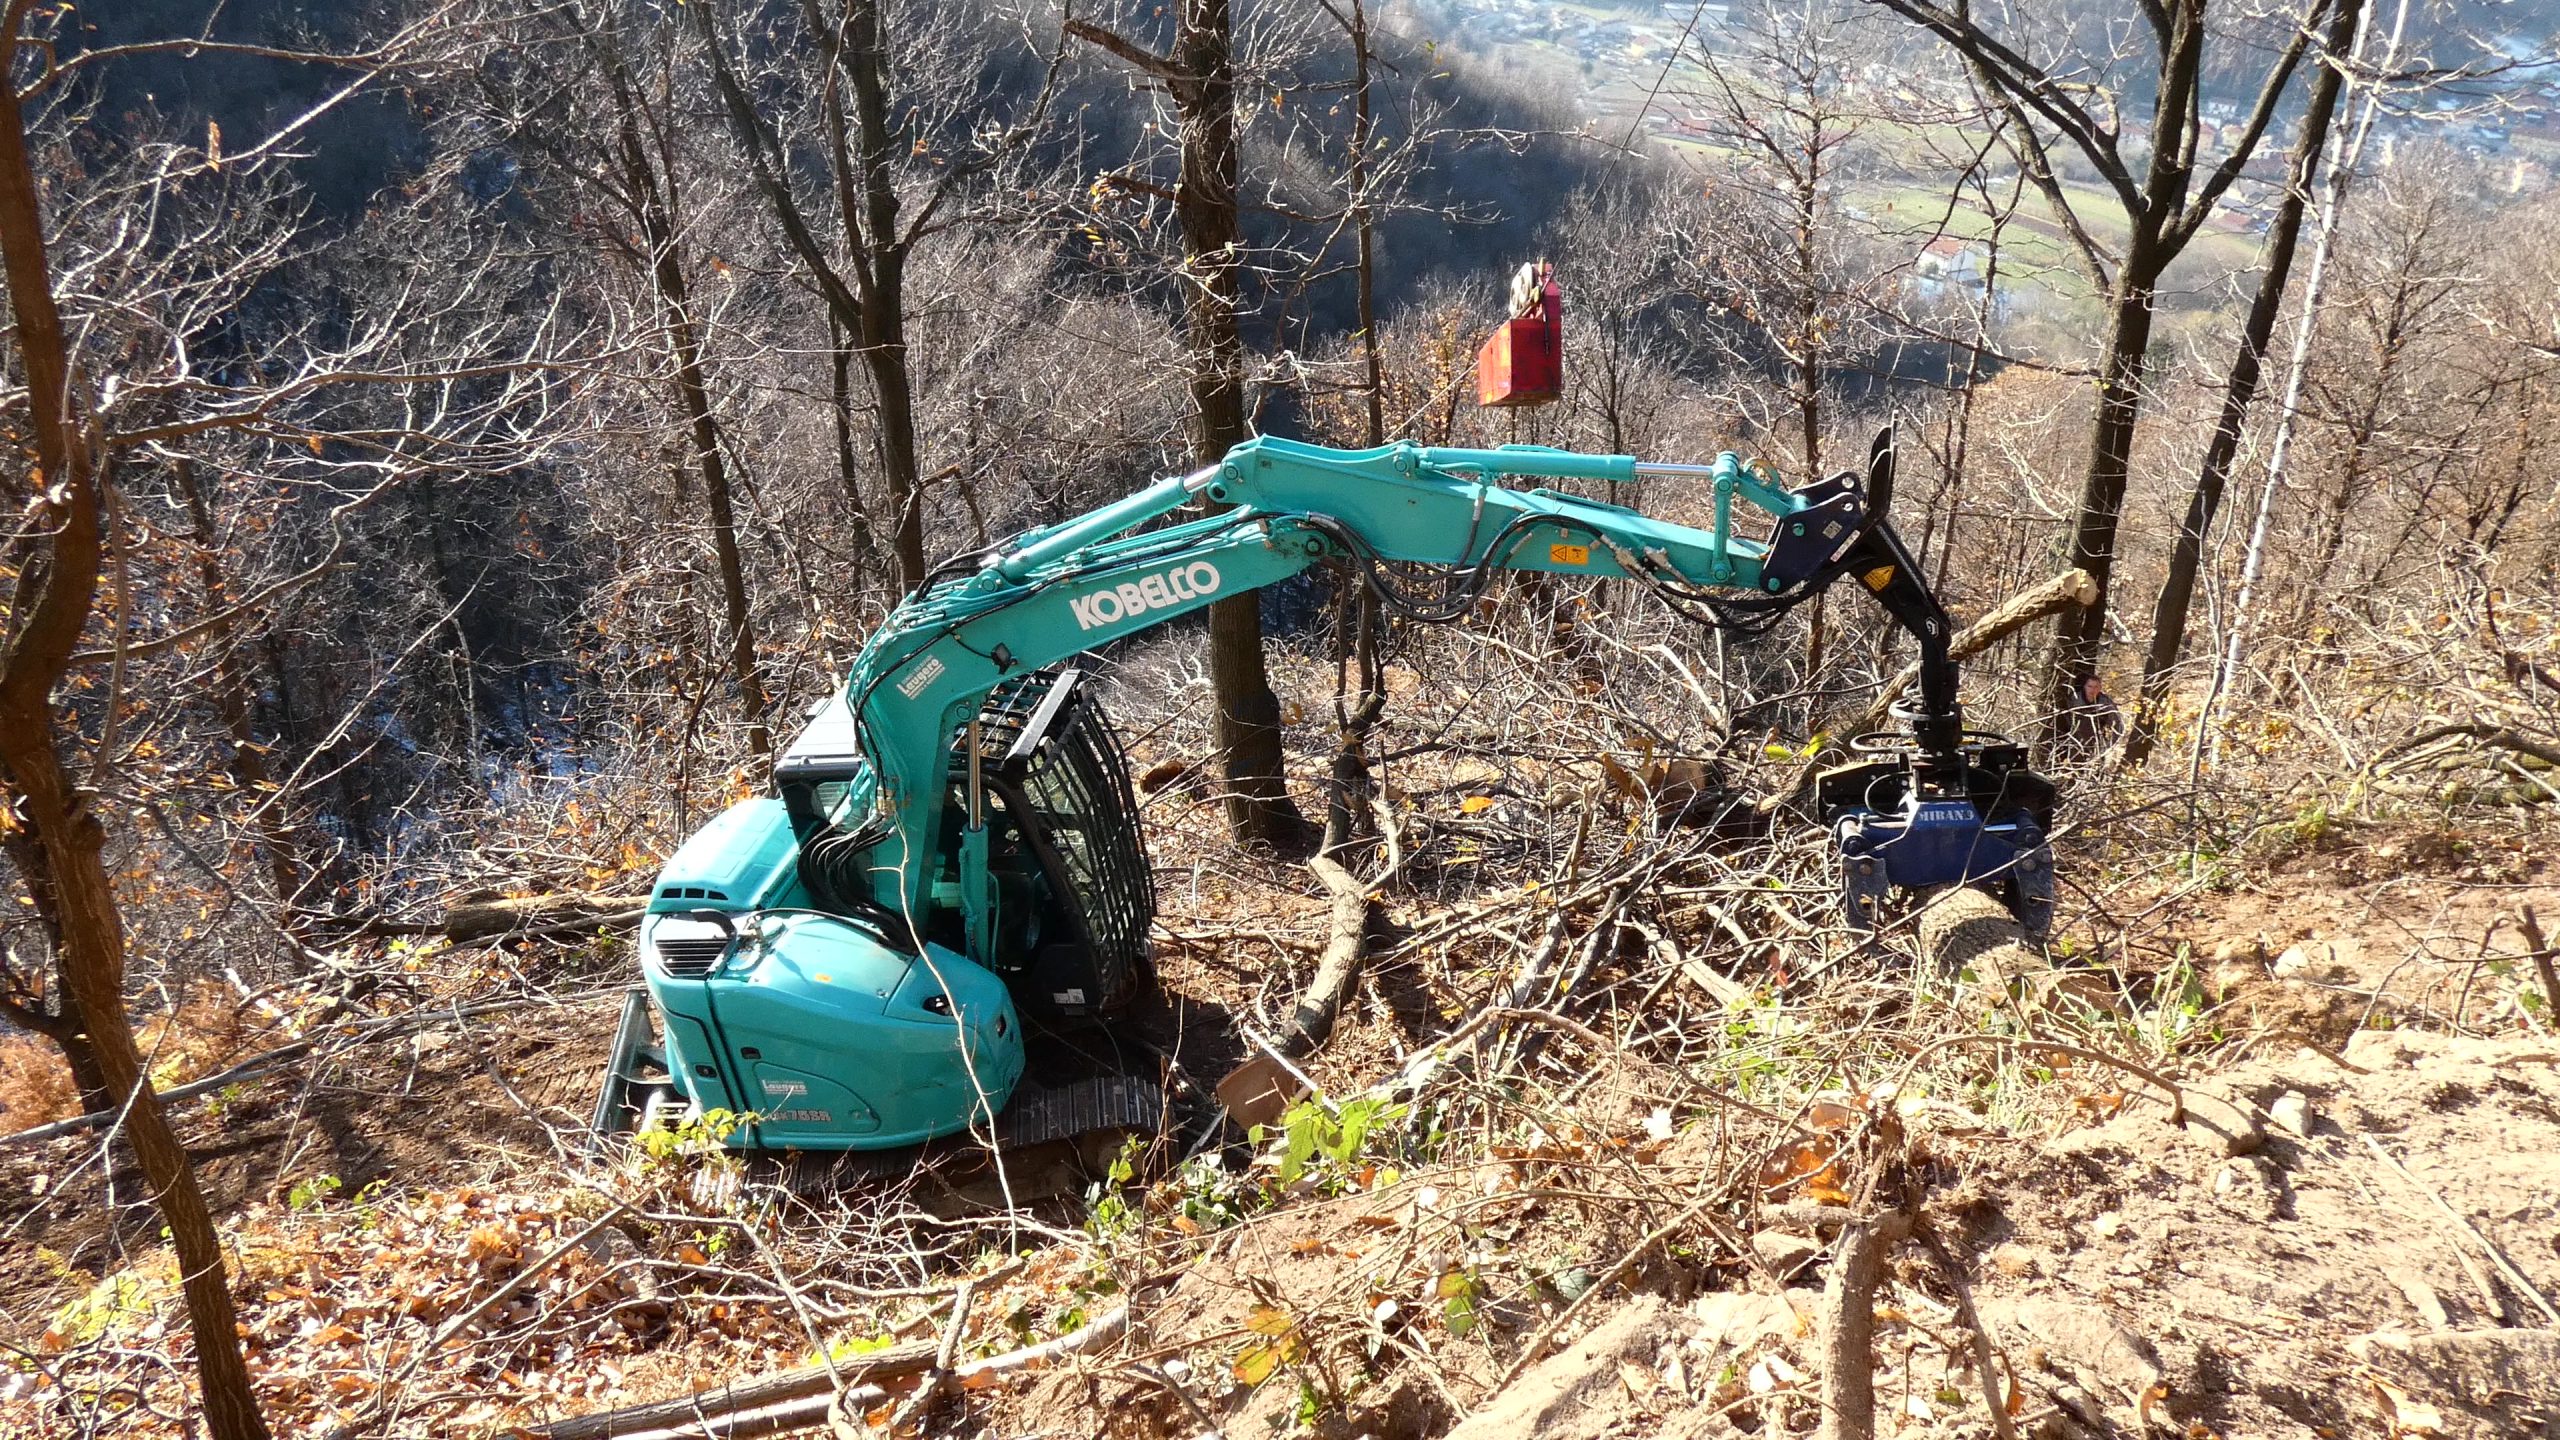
{"x":1903,"y":819}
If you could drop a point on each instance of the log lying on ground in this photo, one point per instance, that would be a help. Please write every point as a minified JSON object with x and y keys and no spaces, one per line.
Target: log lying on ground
{"x":1964,"y":930}
{"x":801,"y":1399}
{"x":479,"y":920}
{"x":739,"y":1409}
{"x":1849,"y":1324}
{"x":488,"y":916}
{"x":1345,"y":944}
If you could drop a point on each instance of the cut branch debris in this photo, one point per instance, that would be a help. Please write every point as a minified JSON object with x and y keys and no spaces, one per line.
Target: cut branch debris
{"x":1346,"y":943}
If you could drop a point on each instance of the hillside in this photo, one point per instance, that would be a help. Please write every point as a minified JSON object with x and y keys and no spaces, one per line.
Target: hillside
{"x":739,"y":718}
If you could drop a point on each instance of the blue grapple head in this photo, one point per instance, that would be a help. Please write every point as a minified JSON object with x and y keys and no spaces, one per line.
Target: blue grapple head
{"x":1905,"y":819}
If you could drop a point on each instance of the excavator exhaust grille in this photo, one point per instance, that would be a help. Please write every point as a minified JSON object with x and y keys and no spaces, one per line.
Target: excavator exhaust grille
{"x":692,"y":955}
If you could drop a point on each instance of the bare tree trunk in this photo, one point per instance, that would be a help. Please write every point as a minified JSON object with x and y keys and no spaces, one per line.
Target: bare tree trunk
{"x":1359,"y":701}
{"x":848,"y":462}
{"x":48,"y":606}
{"x":2167,"y":204}
{"x":2332,"y":198}
{"x":864,"y":161}
{"x":1248,"y":730}
{"x":693,"y":395}
{"x":1200,"y":75}
{"x":2240,"y":388}
{"x":2082,"y":633}
{"x":883,"y":280}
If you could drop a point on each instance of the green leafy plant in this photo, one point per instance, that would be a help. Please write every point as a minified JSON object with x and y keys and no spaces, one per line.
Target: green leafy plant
{"x":1110,"y":1215}
{"x":1462,"y":1294}
{"x":702,"y":1134}
{"x":1312,"y":1134}
{"x":311,"y":1194}
{"x":1212,"y":1197}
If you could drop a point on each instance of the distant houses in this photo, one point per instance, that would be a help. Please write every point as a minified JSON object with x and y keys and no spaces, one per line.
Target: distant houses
{"x":1949,"y":268}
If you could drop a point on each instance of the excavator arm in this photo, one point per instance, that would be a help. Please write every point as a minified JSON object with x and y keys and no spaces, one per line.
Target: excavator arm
{"x":872,"y":772}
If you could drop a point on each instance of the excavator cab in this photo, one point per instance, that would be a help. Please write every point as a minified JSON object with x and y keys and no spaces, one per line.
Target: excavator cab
{"x":1068,"y":895}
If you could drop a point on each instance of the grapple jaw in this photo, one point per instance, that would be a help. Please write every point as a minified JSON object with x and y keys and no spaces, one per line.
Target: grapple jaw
{"x":1904,"y":819}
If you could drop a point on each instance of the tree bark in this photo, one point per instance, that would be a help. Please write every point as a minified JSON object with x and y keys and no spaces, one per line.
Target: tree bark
{"x":1359,"y":700}
{"x":2082,"y":633}
{"x":48,"y":606}
{"x":884,"y":284}
{"x":2240,"y":387}
{"x":1248,"y":729}
{"x":1849,"y":1325}
{"x":848,"y":464}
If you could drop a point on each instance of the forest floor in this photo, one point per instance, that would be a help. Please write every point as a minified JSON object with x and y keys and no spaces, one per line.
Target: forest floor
{"x":2357,"y":1232}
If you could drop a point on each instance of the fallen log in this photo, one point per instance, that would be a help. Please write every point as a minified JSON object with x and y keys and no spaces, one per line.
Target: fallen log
{"x":1848,"y":1326}
{"x":749,"y":1407}
{"x":531,"y":915}
{"x":1966,"y":932}
{"x":1345,"y":944}
{"x":801,"y":1399}
{"x":340,"y":1034}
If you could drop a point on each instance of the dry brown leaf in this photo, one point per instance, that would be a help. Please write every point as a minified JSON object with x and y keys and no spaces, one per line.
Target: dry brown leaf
{"x":2402,"y":1412}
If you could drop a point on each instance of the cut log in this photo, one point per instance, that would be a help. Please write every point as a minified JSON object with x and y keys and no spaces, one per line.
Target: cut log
{"x":1966,"y":932}
{"x":801,"y":1399}
{"x":1346,"y":942}
{"x":1849,"y":1325}
{"x":479,"y":920}
{"x":750,"y":1406}
{"x":2069,"y":590}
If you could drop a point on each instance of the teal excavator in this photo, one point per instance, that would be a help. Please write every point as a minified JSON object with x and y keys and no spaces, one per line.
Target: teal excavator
{"x":949,"y":869}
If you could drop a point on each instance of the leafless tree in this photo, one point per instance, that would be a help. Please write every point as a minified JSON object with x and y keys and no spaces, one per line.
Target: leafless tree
{"x":117,"y":250}
{"x":1197,"y":75}
{"x":2056,"y":99}
{"x":2240,"y":385}
{"x":911,"y":134}
{"x":1767,"y":247}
